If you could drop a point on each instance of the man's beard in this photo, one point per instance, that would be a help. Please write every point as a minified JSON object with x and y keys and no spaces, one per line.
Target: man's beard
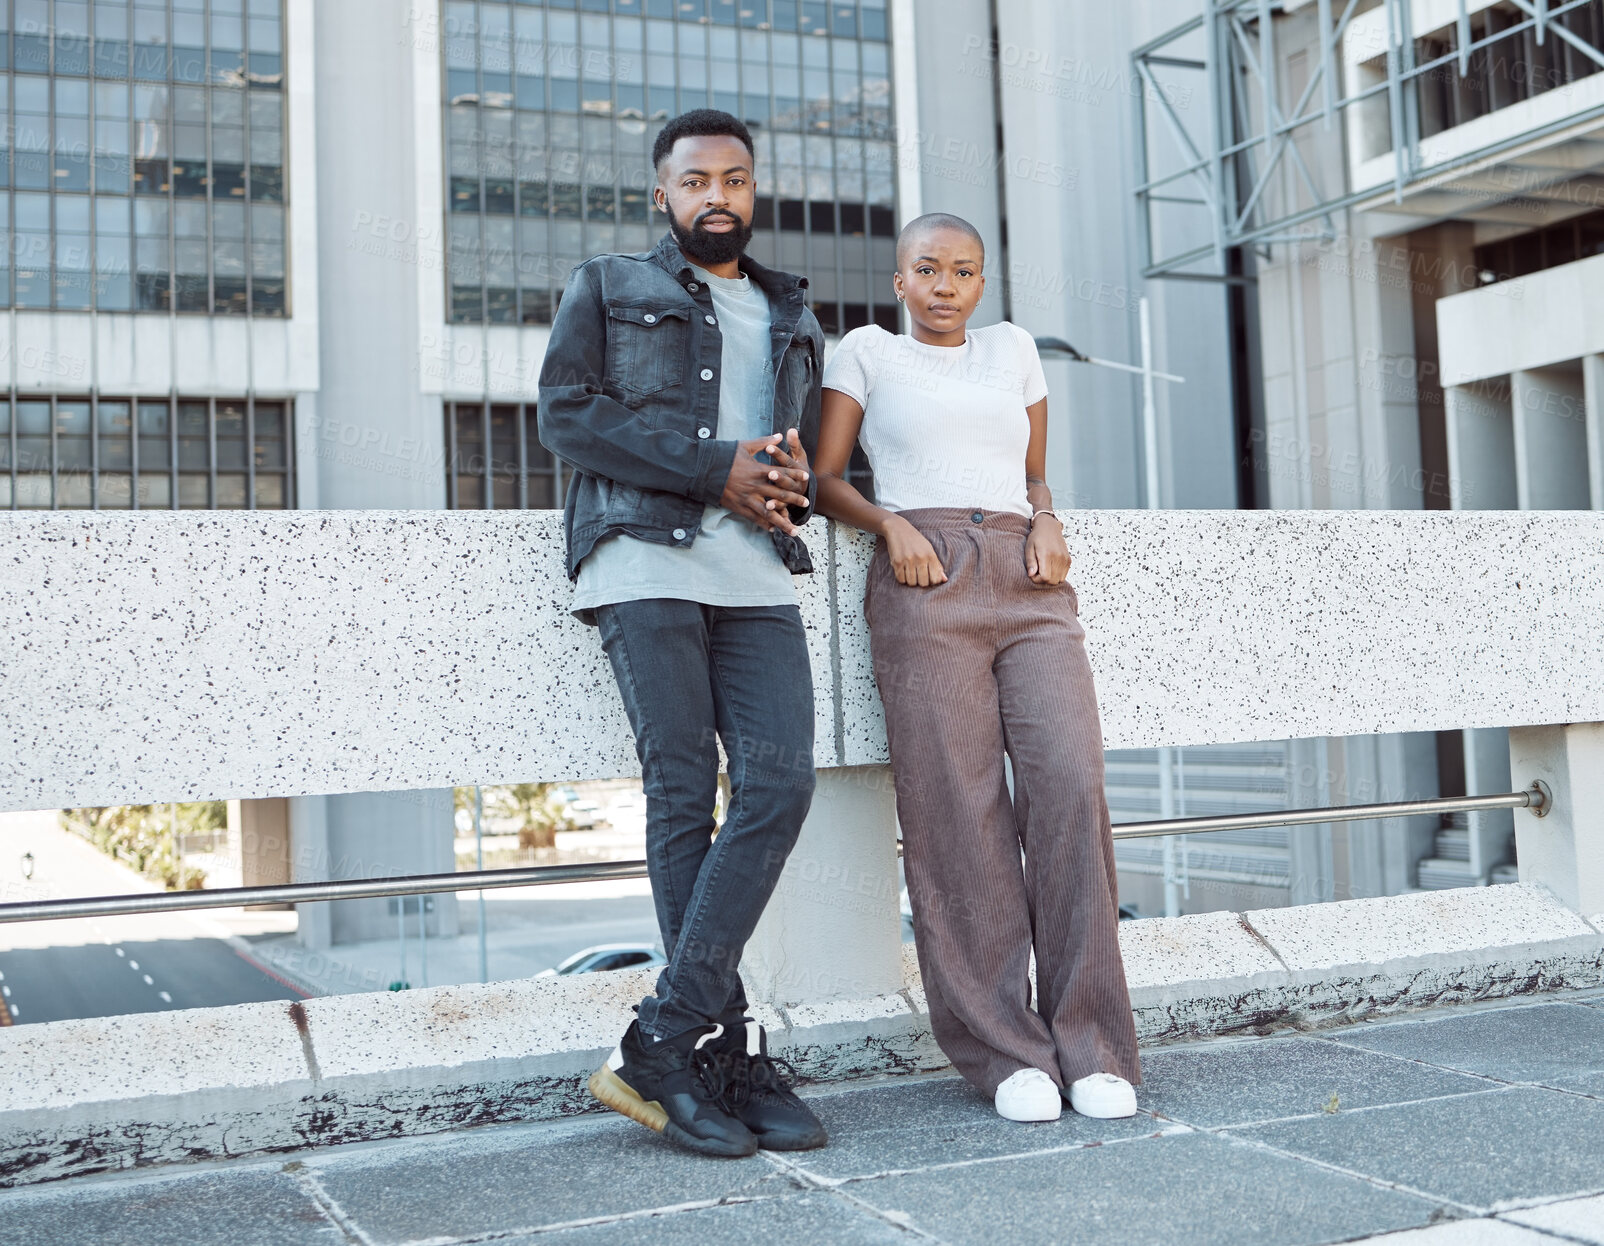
{"x":709,"y":248}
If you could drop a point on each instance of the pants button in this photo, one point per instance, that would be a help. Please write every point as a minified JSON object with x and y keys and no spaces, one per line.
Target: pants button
{"x":978,"y":517}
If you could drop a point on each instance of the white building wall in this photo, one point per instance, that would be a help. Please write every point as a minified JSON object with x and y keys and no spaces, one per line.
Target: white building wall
{"x":1075,"y":254}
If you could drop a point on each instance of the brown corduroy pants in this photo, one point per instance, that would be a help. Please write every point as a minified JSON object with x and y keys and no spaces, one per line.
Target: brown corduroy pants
{"x":986,"y":664}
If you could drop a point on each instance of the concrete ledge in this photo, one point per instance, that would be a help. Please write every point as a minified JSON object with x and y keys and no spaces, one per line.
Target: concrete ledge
{"x":122,"y":1092}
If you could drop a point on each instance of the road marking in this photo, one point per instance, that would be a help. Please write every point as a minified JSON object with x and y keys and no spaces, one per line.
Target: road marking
{"x":166,"y":998}
{"x":6,"y":991}
{"x":148,"y":981}
{"x":134,"y":965}
{"x":120,"y":952}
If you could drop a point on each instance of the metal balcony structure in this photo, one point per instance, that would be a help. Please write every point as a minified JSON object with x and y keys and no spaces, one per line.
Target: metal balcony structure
{"x":1292,"y":92}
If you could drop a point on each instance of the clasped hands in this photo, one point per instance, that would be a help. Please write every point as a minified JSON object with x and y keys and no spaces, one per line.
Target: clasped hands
{"x":769,"y":475}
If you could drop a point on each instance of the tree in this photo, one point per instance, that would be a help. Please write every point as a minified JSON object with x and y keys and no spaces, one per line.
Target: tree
{"x":538,"y":809}
{"x":141,"y":836}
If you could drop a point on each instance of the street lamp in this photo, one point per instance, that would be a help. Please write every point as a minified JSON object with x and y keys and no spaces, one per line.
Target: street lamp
{"x":1173,"y":876}
{"x":27,"y":865}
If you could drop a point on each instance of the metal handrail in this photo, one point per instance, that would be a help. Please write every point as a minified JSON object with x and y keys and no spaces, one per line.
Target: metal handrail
{"x":1536,"y":798}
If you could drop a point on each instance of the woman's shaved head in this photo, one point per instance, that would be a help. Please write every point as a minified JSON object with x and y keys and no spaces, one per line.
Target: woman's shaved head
{"x":929,"y":223}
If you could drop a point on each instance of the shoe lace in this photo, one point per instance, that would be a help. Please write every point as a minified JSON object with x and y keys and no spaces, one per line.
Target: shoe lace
{"x":750,"y":1077}
{"x":710,"y":1075}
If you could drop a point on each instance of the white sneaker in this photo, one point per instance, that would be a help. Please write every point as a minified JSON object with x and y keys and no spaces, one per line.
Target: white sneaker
{"x":1029,"y":1095}
{"x":1103,"y":1095}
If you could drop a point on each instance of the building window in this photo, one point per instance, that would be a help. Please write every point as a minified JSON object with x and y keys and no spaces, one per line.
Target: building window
{"x":1507,"y":62}
{"x":551,"y":109}
{"x":145,"y":170}
{"x":494,"y":459}
{"x":109,"y":453}
{"x":1537,"y":249}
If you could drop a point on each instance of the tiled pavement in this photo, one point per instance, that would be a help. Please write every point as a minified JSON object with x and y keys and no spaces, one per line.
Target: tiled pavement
{"x":1465,"y":1125}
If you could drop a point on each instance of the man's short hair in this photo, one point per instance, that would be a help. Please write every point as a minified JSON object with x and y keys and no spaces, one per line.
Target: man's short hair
{"x":700,"y":123}
{"x":937,"y":220}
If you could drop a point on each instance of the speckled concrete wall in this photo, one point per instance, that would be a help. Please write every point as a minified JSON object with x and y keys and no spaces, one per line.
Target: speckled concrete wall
{"x":185,"y":655}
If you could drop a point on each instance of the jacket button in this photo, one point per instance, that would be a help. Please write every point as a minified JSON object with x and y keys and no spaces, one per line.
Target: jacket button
{"x":704,"y":433}
{"x":693,"y":287}
{"x":707,"y":374}
{"x":978,"y":517}
{"x":679,"y":534}
{"x":710,"y":319}
{"x":649,"y":318}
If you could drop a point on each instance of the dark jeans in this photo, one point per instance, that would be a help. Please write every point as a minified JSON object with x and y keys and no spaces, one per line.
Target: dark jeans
{"x":690,"y":675}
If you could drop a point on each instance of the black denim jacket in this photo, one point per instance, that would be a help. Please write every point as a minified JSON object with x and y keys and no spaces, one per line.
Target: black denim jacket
{"x":629,"y":397}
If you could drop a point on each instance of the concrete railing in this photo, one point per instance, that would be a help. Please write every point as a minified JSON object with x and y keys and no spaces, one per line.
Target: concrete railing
{"x":193,"y":655}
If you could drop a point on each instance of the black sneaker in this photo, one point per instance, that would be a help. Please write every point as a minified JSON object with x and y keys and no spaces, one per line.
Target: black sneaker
{"x":676,"y":1087}
{"x":759,"y":1092}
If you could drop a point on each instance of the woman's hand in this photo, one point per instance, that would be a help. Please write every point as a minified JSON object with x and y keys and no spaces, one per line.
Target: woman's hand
{"x":1046,"y":555}
{"x":913,"y":558}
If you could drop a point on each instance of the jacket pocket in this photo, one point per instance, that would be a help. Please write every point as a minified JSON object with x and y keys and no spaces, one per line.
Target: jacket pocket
{"x":648,"y":348}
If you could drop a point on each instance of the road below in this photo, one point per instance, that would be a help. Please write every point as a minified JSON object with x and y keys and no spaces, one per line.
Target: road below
{"x":101,"y":967}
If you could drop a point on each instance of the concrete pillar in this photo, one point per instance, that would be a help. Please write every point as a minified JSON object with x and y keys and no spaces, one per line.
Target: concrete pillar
{"x":382,"y":834}
{"x":1563,"y":850}
{"x":832,"y":929}
{"x":1550,"y":438}
{"x":1593,"y":396}
{"x":1481,"y":447}
{"x":1487,"y":772}
{"x":259,"y":843}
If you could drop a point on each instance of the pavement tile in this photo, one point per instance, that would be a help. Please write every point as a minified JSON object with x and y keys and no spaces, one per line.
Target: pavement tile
{"x":1262,"y":1080}
{"x":1581,"y":1219}
{"x":1559,"y":1045}
{"x":807,"y":1218}
{"x":230,"y":1207}
{"x":1474,"y":1232}
{"x":1477,"y":1150}
{"x":893,"y":1127}
{"x":507,"y":1180}
{"x":1196,"y":1188}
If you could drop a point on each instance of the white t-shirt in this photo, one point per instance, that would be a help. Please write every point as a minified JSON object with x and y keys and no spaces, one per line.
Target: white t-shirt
{"x":943,"y":425}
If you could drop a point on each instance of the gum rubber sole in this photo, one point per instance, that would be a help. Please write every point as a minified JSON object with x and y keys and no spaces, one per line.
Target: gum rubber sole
{"x":612,"y":1090}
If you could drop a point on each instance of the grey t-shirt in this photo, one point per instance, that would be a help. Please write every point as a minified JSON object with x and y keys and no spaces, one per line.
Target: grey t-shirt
{"x":731,"y":562}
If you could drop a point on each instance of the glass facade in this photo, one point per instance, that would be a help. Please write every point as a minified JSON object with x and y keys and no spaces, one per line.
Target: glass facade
{"x":103,"y":453}
{"x":494,"y":459}
{"x":550,"y":112}
{"x":145,"y":166}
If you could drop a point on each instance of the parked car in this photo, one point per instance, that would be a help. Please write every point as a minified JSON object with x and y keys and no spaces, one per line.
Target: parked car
{"x":581,"y":814}
{"x":606,"y":956}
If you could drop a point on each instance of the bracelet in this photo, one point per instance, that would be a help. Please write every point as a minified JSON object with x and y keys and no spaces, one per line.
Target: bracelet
{"x":1044,"y":512}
